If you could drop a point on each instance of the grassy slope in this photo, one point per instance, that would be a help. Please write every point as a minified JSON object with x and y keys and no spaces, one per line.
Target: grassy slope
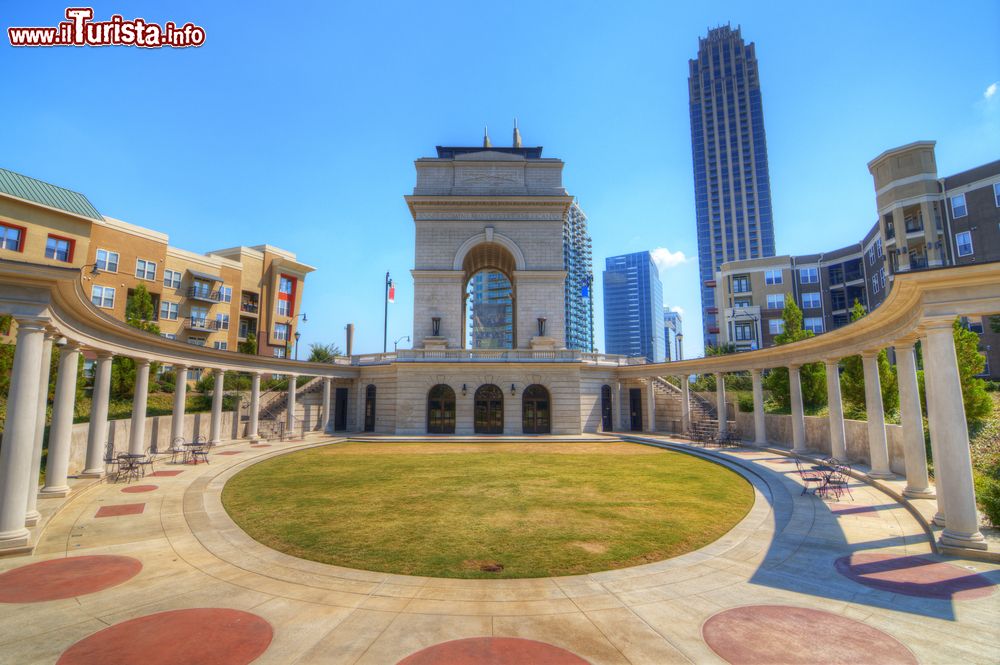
{"x":443,"y":509}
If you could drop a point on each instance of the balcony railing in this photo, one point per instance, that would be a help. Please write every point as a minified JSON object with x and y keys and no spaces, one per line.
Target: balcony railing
{"x":199,"y":323}
{"x":204,"y":294}
{"x":249,"y":307}
{"x":914,"y":226}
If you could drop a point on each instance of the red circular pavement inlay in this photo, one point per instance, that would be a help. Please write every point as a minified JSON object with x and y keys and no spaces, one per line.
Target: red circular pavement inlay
{"x":65,"y":578}
{"x":493,"y":651}
{"x":914,"y":576}
{"x":765,"y":634}
{"x":135,"y":489}
{"x":216,"y":636}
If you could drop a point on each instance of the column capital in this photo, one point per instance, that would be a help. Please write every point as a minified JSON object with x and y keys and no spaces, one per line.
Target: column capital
{"x":937,"y":323}
{"x":70,"y":345}
{"x":756,"y":371}
{"x":831,"y":361}
{"x":180,"y":367}
{"x":32,"y":323}
{"x":906,"y":343}
{"x":871,"y":353}
{"x":218,"y":371}
{"x":142,"y":362}
{"x":794,"y":367}
{"x":101,"y":354}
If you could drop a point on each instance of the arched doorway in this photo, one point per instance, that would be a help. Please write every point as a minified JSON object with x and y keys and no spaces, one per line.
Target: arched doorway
{"x":536,"y":417}
{"x":489,"y":410}
{"x":370,"y":408}
{"x":489,"y":297}
{"x":441,"y":410}
{"x":607,"y":420}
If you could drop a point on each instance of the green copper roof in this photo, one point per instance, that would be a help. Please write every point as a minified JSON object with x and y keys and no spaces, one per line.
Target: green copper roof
{"x":29,"y":189}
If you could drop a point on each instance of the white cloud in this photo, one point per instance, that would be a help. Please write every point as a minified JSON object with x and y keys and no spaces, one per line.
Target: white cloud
{"x":674,"y":308}
{"x":665,"y":259}
{"x":991,"y":90}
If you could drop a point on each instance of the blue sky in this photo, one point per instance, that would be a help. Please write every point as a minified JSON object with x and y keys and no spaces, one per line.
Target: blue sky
{"x":299,"y":127}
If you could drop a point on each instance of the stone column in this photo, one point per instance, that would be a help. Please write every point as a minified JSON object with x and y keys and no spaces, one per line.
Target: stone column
{"x":914,"y":453}
{"x":60,"y":434}
{"x":759,"y":417}
{"x":838,"y":437}
{"x":685,"y":403}
{"x":936,"y":436}
{"x":290,"y":420}
{"x":623,"y":416}
{"x":720,"y":402}
{"x":954,"y":463}
{"x":32,"y":515}
{"x":97,"y":433}
{"x":137,"y":433}
{"x":218,"y":391}
{"x":899,"y":225}
{"x":651,"y":399}
{"x":180,"y":404}
{"x":254,"y":407}
{"x":878,"y":448}
{"x":19,"y":433}
{"x":798,"y":413}
{"x":327,"y":421}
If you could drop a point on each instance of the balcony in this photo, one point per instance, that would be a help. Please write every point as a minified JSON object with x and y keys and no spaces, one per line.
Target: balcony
{"x":204,"y":294}
{"x":914,"y":226}
{"x":199,"y":323}
{"x":251,"y":308}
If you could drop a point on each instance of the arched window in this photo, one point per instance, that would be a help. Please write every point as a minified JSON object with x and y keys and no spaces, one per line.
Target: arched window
{"x":370,"y":408}
{"x":489,"y":297}
{"x":441,"y":410}
{"x":536,"y":415}
{"x":489,"y":410}
{"x":607,"y":420}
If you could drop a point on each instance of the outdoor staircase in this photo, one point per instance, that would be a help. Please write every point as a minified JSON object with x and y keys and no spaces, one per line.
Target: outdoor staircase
{"x":704,"y":416}
{"x":271,"y":421}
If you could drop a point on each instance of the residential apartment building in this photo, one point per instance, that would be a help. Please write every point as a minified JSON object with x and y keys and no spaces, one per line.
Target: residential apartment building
{"x":925,"y":222}
{"x":633,"y":307}
{"x":578,"y":259}
{"x":729,"y":155}
{"x":673,"y":336}
{"x":218,"y":299}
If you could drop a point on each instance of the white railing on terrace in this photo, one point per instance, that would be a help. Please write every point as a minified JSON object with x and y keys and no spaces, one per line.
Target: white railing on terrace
{"x":490,"y":355}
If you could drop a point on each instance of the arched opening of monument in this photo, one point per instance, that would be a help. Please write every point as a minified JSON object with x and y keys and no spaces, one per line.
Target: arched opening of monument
{"x":489,"y":298}
{"x":536,"y":417}
{"x":441,"y":410}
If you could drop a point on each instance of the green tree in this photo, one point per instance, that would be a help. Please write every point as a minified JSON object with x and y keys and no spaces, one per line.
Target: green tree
{"x":812,"y":376}
{"x":323,"y":353}
{"x":852,"y":379}
{"x":971,"y":362}
{"x":139,"y":313}
{"x":720,"y":349}
{"x":248,"y":347}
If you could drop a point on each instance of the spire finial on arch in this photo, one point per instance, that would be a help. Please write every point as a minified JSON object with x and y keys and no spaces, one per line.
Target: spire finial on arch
{"x":517,"y":134}
{"x":486,"y":137}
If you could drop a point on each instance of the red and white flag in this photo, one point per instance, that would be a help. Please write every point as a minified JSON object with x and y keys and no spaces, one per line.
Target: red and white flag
{"x":392,"y":292}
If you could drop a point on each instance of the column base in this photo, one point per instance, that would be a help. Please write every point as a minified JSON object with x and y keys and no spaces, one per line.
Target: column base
{"x":926,"y":493}
{"x":938,"y":519}
{"x":972,"y":541}
{"x":15,"y":542}
{"x":253,"y":439}
{"x":31,"y":519}
{"x":880,"y":475}
{"x":92,"y":473}
{"x":800,"y":451}
{"x":57,"y":492}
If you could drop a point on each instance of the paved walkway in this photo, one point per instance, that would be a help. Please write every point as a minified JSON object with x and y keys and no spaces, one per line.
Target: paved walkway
{"x":160,"y":574}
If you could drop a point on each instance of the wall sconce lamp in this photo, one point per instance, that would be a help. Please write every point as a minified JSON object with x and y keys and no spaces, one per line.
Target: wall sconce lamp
{"x":464,"y":390}
{"x":513,"y":389}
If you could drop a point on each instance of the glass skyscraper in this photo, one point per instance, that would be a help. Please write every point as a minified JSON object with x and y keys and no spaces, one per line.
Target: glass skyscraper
{"x":579,"y":264}
{"x":731,"y":183}
{"x":633,"y":307}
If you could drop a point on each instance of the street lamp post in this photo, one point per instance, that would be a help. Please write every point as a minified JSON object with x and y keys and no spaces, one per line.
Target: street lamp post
{"x":396,"y":342}
{"x":297,"y":335}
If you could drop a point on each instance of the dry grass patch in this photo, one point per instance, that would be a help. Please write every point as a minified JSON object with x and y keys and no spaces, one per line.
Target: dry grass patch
{"x":444,"y":509}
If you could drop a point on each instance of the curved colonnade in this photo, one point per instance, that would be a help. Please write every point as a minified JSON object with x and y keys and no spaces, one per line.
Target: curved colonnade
{"x":48,"y":303}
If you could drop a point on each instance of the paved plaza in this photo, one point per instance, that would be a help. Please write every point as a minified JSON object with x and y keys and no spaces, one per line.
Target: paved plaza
{"x":155,"y":571}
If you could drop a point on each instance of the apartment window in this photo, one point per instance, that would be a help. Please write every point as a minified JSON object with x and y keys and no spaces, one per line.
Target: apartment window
{"x":201,"y":289}
{"x":743,"y":302}
{"x":996,"y":193}
{"x":875,"y":283}
{"x":279,"y":352}
{"x":103,"y":296}
{"x":222,"y":321}
{"x":12,"y":237}
{"x":286,"y":295}
{"x":284,"y":308}
{"x":221,"y":346}
{"x":198,"y":316}
{"x":59,"y":248}
{"x":281,"y":331}
{"x":775,"y":326}
{"x":194,"y":375}
{"x":743,"y":332}
{"x":741,"y":284}
{"x":775,"y":300}
{"x":196,"y":341}
{"x":814,"y":324}
{"x":964,"y":242}
{"x":958,"y":208}
{"x":145,"y":269}
{"x":808,"y":276}
{"x":871,"y":255}
{"x":172,"y":279}
{"x":881,"y":277}
{"x":168,"y":311}
{"x":810,"y":301}
{"x":772,"y":277}
{"x":107,"y":261}
{"x":975,"y":326}
{"x":226,"y":294}
{"x":168,"y":335}
{"x":878,"y":247}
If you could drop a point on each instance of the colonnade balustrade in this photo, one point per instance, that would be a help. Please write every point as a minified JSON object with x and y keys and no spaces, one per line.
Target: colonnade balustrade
{"x":954,"y":489}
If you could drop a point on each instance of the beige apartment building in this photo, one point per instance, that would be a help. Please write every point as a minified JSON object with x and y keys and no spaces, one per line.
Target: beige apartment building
{"x":220,"y":299}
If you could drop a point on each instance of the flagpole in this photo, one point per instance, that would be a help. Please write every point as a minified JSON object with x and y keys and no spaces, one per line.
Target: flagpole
{"x":385,"y":316}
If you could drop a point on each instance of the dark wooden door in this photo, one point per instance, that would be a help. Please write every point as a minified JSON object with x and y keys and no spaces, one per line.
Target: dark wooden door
{"x":635,"y":409}
{"x":340,"y":410}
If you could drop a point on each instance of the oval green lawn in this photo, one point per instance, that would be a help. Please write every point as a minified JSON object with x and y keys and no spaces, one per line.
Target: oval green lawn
{"x":445,"y":509}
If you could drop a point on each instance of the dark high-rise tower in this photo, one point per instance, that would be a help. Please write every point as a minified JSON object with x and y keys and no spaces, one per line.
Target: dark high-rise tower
{"x":731,"y":185}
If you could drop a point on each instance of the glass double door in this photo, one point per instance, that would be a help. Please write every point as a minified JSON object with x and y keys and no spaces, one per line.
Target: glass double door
{"x":489,"y":410}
